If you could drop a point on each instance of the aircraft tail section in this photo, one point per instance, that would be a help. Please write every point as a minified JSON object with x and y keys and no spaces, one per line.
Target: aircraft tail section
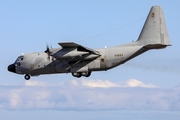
{"x":154,"y":32}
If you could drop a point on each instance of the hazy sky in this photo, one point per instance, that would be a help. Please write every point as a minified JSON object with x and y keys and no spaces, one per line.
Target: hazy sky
{"x":147,"y":87}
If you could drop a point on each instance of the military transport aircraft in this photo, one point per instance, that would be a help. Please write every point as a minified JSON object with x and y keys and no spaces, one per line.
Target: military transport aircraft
{"x":81,"y":61}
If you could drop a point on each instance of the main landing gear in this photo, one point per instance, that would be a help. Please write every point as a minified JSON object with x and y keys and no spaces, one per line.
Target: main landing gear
{"x":27,"y":77}
{"x":79,"y":74}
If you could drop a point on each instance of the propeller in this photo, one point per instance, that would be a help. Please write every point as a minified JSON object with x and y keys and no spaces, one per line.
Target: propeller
{"x":48,"y":51}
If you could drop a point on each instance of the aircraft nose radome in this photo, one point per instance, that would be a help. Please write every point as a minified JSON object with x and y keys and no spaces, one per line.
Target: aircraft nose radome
{"x":12,"y":68}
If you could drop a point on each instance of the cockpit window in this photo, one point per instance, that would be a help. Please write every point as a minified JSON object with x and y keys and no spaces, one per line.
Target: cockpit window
{"x":20,"y":58}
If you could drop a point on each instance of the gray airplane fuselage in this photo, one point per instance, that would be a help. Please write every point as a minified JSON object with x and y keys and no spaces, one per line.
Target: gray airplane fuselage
{"x":37,"y":63}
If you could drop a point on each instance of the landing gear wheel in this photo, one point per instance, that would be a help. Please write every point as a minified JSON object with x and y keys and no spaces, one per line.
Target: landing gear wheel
{"x":78,"y":75}
{"x":88,"y":74}
{"x":27,"y":77}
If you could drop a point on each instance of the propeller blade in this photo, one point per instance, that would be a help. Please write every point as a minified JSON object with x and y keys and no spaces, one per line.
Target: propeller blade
{"x":48,"y":52}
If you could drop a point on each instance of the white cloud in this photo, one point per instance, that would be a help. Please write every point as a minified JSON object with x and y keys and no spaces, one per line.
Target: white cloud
{"x":109,"y":84}
{"x":35,"y":83}
{"x":87,"y":94}
{"x":97,"y":83}
{"x":136,"y":83}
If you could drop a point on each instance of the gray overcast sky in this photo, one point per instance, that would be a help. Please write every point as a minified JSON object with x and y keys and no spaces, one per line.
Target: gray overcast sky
{"x":26,"y":26}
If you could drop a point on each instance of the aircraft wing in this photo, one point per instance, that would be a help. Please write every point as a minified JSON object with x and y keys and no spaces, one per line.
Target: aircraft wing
{"x":79,"y":47}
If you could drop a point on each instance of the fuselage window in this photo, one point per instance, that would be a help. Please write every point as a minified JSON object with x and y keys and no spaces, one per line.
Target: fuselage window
{"x":20,"y":58}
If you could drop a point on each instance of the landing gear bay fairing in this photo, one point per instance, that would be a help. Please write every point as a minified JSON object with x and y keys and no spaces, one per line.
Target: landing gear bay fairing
{"x":82,"y":61}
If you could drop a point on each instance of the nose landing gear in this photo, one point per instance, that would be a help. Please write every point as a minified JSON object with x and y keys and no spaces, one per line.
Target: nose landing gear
{"x":27,"y":77}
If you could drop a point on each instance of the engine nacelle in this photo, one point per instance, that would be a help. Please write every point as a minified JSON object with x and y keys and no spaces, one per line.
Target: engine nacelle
{"x":68,"y":54}
{"x":88,"y":57}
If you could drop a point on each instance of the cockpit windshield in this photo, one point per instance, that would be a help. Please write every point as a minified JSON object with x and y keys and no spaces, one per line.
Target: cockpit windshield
{"x":20,"y":58}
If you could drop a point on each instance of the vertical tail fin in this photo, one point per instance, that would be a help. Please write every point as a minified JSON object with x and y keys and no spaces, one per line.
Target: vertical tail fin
{"x":154,"y":31}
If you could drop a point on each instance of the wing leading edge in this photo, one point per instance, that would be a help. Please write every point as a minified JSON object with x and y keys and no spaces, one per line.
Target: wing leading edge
{"x":79,"y":47}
